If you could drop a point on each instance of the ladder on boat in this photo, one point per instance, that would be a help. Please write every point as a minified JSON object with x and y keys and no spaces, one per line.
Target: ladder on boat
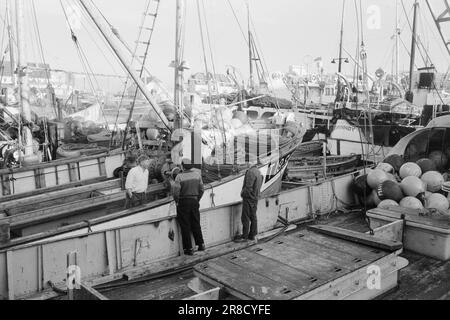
{"x":141,"y":50}
{"x":145,"y":35}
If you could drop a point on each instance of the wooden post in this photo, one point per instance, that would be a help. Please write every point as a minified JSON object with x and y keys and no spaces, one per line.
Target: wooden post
{"x":4,"y":232}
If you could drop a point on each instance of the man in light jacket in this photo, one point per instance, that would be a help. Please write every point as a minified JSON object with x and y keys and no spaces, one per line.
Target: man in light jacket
{"x":137,"y":183}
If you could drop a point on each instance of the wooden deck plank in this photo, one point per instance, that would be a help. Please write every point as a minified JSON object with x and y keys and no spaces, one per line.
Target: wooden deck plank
{"x":55,"y":195}
{"x":361,"y":251}
{"x":357,"y":237}
{"x":423,"y":279}
{"x":344,"y":260}
{"x":248,"y":284}
{"x":39,"y":216}
{"x":166,"y":288}
{"x":280,"y":272}
{"x":25,"y":195}
{"x":311,"y":264}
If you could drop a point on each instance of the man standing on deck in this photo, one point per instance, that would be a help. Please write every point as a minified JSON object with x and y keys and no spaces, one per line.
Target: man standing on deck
{"x":137,"y":183}
{"x":250,"y":196}
{"x":187,"y":192}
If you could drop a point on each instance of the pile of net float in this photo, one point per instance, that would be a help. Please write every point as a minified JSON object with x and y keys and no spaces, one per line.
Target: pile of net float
{"x":423,"y":185}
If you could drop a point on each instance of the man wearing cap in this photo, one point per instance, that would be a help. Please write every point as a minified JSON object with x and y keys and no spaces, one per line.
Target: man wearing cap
{"x":250,"y":196}
{"x":137,"y":183}
{"x":187,"y":192}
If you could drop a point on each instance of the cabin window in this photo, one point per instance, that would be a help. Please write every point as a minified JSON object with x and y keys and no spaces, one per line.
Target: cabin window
{"x":437,"y":139}
{"x":253,"y":115}
{"x":417,"y":147}
{"x":267,"y":115}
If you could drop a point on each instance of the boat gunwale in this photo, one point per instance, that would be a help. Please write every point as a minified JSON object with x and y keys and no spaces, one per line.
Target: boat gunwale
{"x":60,"y":162}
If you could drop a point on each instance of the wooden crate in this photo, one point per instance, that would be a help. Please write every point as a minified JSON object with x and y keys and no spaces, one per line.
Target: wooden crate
{"x":428,"y":235}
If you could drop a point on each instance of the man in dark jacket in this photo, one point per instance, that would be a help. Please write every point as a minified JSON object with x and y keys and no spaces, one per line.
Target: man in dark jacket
{"x":250,"y":196}
{"x":187,"y":192}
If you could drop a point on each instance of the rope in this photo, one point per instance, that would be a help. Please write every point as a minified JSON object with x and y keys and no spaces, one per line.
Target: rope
{"x":239,"y":24}
{"x":41,"y":50}
{"x":85,"y":64}
{"x":97,"y":45}
{"x":206,"y":65}
{"x":210,"y":47}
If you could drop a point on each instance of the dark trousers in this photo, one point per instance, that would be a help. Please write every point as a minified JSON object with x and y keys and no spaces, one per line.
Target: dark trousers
{"x":249,"y":219}
{"x":137,"y":199}
{"x":188,"y":215}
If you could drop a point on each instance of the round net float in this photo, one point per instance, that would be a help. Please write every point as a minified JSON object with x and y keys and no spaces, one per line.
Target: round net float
{"x":373,"y":199}
{"x":391,"y":177}
{"x":395,"y":160}
{"x":375,"y":177}
{"x":446,"y":186}
{"x":386,"y":204}
{"x":412,"y":186}
{"x":411,"y":203}
{"x":410,"y":169}
{"x":434,"y":180}
{"x":426,"y":165}
{"x":389,"y":190}
{"x":437,"y":201}
{"x":386,"y":167}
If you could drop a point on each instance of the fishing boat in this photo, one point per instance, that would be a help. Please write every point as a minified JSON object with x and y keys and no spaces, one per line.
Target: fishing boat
{"x":371,"y":118}
{"x":66,"y":200}
{"x":309,"y":149}
{"x":51,"y":239}
{"x":135,"y":242}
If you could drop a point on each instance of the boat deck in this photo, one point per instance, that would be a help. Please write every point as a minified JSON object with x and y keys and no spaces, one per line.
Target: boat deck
{"x":423,"y":278}
{"x":301,"y":265}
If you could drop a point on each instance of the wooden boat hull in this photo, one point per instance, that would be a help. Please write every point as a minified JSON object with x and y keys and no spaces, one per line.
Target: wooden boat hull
{"x":309,"y":149}
{"x":110,"y":245}
{"x":311,"y":169}
{"x":59,"y":172}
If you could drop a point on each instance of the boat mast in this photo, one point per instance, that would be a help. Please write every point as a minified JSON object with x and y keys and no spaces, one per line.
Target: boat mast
{"x":250,"y":53}
{"x":107,"y":34}
{"x":178,"y":94}
{"x":338,"y":94}
{"x":9,"y":19}
{"x":24,"y":90}
{"x":409,"y":95}
{"x":397,"y":45}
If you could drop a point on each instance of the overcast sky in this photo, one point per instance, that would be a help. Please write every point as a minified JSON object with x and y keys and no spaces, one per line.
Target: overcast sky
{"x":289,"y":32}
